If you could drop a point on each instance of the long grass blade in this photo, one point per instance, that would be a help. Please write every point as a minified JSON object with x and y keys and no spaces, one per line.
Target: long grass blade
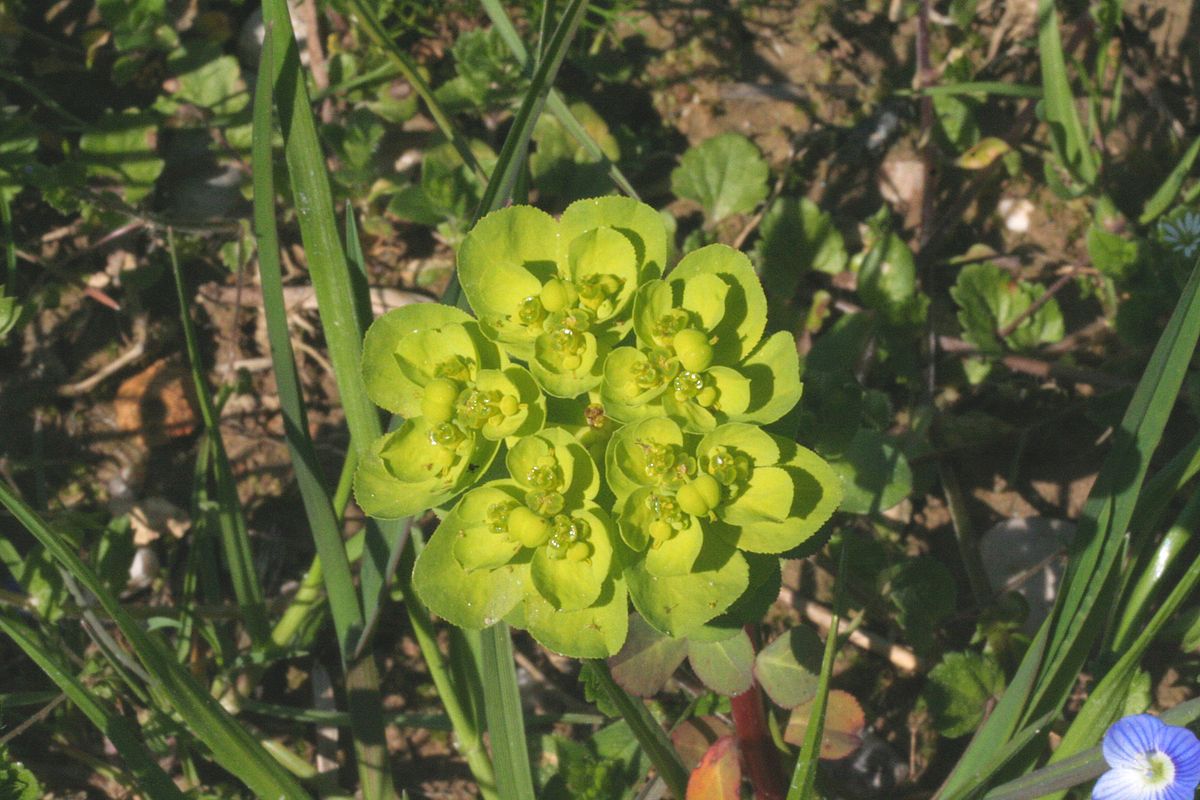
{"x":235,"y":537}
{"x":1105,"y":703}
{"x":120,"y":731}
{"x":506,"y":721}
{"x":1075,"y":622}
{"x":646,"y":730}
{"x":231,"y":745}
{"x":336,"y":301}
{"x":365,"y":701}
{"x":328,"y":269}
{"x":1067,"y":134}
{"x":379,"y":35}
{"x":1166,"y":193}
{"x":554,"y":103}
{"x":805,"y":775}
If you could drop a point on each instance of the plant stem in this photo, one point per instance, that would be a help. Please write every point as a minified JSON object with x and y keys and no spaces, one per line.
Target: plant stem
{"x":759,"y":755}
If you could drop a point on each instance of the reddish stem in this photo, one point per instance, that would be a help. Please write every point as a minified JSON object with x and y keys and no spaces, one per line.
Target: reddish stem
{"x":759,"y":755}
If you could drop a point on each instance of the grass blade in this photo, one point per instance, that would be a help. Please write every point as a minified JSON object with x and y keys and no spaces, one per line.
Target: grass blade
{"x":1075,"y":622}
{"x":1106,"y":702}
{"x":329,"y":271}
{"x":506,"y":720}
{"x":554,"y":103}
{"x":336,"y":304}
{"x":1162,"y":198}
{"x":379,"y":35}
{"x":512,"y":154}
{"x":805,"y":776}
{"x":231,"y":745}
{"x":646,"y":730}
{"x":1066,"y":131}
{"x":362,"y":680}
{"x":235,"y":538}
{"x":120,"y":731}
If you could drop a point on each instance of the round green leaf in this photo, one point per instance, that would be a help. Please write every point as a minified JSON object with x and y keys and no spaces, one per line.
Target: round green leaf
{"x":647,"y":660}
{"x":637,"y":221}
{"x":623,"y":398}
{"x":470,"y":599}
{"x":387,"y":385}
{"x":404,"y":474}
{"x":773,"y":371}
{"x":727,"y":666}
{"x":476,"y":546}
{"x":597,"y":631}
{"x":515,"y":382}
{"x":738,"y":312}
{"x":676,"y":555}
{"x":603,"y":253}
{"x":678,"y":605}
{"x":579,"y":478}
{"x":766,"y":498}
{"x":725,"y":175}
{"x":625,"y":457}
{"x":875,"y":474}
{"x":573,"y":585}
{"x":561,"y":381}
{"x":505,"y":259}
{"x":789,"y":668}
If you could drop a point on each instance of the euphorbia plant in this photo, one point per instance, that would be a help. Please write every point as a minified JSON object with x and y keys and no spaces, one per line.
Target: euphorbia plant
{"x":634,"y":462}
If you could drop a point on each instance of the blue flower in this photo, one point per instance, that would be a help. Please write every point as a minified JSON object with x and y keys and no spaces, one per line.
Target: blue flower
{"x":1149,"y":760}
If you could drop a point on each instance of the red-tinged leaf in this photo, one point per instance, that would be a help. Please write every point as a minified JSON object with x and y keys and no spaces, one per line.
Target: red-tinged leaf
{"x":694,"y":736}
{"x":844,"y":724}
{"x":647,"y":660}
{"x":719,"y":775}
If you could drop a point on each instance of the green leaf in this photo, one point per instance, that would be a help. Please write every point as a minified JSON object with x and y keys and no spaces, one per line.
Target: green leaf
{"x":491,"y":76}
{"x":789,"y":668}
{"x":123,"y":147}
{"x":208,"y":80}
{"x":718,"y":285}
{"x":647,"y":660}
{"x":725,"y":175}
{"x":405,"y":473}
{"x":680,"y":604}
{"x":797,"y":236}
{"x":562,"y":166}
{"x":397,"y":382}
{"x":468,"y":598}
{"x":638,"y":222}
{"x":356,"y":140}
{"x":773,"y":371}
{"x":922,"y":591}
{"x":597,"y":631}
{"x":887,"y":281}
{"x":504,"y":259}
{"x":573,"y":585}
{"x":727,"y":666}
{"x":989,"y":300}
{"x":1112,"y":254}
{"x":960,"y":690}
{"x":875,"y":475}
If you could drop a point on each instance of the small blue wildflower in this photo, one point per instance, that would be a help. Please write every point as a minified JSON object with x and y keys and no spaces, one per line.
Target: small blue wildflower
{"x":1149,"y":760}
{"x":1181,"y":232}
